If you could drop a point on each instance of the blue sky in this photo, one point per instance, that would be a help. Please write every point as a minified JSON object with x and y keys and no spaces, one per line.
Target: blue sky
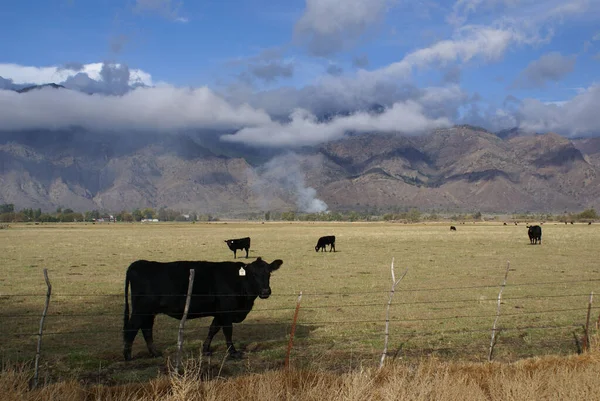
{"x":264,"y":71}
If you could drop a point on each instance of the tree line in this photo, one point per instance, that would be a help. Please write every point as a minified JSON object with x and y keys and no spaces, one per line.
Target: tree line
{"x":9,"y":215}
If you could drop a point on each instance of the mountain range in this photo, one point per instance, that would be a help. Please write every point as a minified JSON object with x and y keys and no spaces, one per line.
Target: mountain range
{"x":462,"y":168}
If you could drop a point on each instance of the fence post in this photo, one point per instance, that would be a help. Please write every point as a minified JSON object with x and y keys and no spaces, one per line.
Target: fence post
{"x":292,"y":332}
{"x":41,"y":330}
{"x":493,"y":340}
{"x":387,"y":313}
{"x":586,"y":339}
{"x":184,"y":318}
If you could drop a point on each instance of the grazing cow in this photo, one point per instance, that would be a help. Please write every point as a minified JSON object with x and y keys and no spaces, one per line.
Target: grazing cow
{"x":224,"y":290}
{"x":571,"y":222}
{"x":516,"y":224}
{"x":452,"y":228}
{"x":240,"y":243}
{"x":504,"y":223}
{"x":535,"y":234}
{"x":324,"y":241}
{"x":589,"y":223}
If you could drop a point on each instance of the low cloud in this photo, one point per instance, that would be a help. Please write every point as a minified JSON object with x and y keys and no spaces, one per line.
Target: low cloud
{"x":29,"y":75}
{"x":329,"y":26}
{"x":551,"y":67}
{"x":304,"y":128}
{"x":575,"y":117}
{"x":159,"y":109}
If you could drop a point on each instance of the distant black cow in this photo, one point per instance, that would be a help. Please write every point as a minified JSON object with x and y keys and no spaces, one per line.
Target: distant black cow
{"x":225,"y":290}
{"x":324,"y":241}
{"x":589,"y":223}
{"x":504,"y":223}
{"x":452,"y":228}
{"x":535,"y":234}
{"x":240,"y":243}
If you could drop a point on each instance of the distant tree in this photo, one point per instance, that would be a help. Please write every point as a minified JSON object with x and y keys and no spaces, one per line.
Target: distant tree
{"x":288,"y":216}
{"x":413,"y":215}
{"x":59,"y":210}
{"x":137,"y":215}
{"x":67,"y":211}
{"x":37,"y":213}
{"x":589,"y":214}
{"x":148,"y":213}
{"x":91,"y":215}
{"x":267,"y":216}
{"x":193,"y":216}
{"x":7,"y":208}
{"x":477,"y":215}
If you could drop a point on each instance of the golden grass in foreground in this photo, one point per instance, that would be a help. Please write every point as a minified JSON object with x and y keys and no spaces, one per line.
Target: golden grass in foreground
{"x":547,"y":378}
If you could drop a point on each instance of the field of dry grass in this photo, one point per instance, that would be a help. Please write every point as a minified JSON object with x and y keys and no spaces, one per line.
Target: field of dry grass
{"x":545,"y":378}
{"x":444,"y":307}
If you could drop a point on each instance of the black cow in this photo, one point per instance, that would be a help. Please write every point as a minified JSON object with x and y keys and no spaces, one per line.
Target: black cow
{"x":452,"y":228}
{"x":535,"y":234}
{"x":589,"y":223}
{"x":504,"y":223}
{"x":324,"y":241}
{"x":225,"y":290}
{"x":240,"y":243}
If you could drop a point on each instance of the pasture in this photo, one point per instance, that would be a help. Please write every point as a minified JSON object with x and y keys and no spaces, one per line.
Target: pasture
{"x":445,"y":305}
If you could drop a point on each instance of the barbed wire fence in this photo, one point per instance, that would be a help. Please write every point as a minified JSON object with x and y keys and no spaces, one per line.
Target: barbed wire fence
{"x":430,"y":325}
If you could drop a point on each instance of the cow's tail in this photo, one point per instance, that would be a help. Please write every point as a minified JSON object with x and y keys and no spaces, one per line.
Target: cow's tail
{"x":126,"y":311}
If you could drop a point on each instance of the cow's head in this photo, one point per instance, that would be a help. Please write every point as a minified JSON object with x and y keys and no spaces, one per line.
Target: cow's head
{"x":259,"y":274}
{"x":316,"y":248}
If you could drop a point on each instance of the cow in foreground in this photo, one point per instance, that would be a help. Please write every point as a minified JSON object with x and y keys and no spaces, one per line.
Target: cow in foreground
{"x":224,"y":290}
{"x":324,"y":241}
{"x":535,"y":234}
{"x":239,"y":243}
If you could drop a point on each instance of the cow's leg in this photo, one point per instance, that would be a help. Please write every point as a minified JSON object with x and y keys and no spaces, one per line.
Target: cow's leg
{"x":130,"y":330}
{"x":147,"y":325}
{"x":214,"y":328}
{"x":333,"y":246}
{"x":228,"y":331}
{"x":247,"y":249}
{"x":234,"y":252}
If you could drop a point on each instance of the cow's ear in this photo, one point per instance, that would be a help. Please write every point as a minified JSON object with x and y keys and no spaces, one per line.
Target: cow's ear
{"x":259,"y":259}
{"x":276,"y":264}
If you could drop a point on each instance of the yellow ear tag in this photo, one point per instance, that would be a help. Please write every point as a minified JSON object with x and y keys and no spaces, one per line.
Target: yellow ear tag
{"x":242,"y":271}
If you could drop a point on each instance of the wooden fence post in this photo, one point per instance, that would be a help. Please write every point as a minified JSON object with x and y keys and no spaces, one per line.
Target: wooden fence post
{"x":41,"y":330}
{"x":586,"y":338}
{"x":493,"y":340}
{"x":292,"y":332}
{"x":184,"y":318}
{"x":387,"y":313}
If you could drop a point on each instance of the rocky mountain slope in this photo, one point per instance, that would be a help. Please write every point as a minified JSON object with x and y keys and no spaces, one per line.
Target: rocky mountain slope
{"x":463,"y":168}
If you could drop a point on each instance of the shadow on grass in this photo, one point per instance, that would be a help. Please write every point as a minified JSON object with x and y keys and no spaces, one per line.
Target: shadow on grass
{"x":83,"y":340}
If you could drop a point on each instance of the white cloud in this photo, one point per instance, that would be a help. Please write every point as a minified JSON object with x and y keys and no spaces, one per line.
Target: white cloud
{"x":164,"y":108}
{"x":551,"y":67}
{"x":21,"y":74}
{"x":575,"y":117}
{"x":304,"y":129}
{"x":328,"y":26}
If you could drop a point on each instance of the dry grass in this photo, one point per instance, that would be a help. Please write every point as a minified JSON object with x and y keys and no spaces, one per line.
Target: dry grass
{"x":547,"y":378}
{"x":444,"y":307}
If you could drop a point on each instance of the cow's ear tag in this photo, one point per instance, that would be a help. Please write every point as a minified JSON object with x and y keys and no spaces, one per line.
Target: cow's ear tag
{"x":242,"y":272}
